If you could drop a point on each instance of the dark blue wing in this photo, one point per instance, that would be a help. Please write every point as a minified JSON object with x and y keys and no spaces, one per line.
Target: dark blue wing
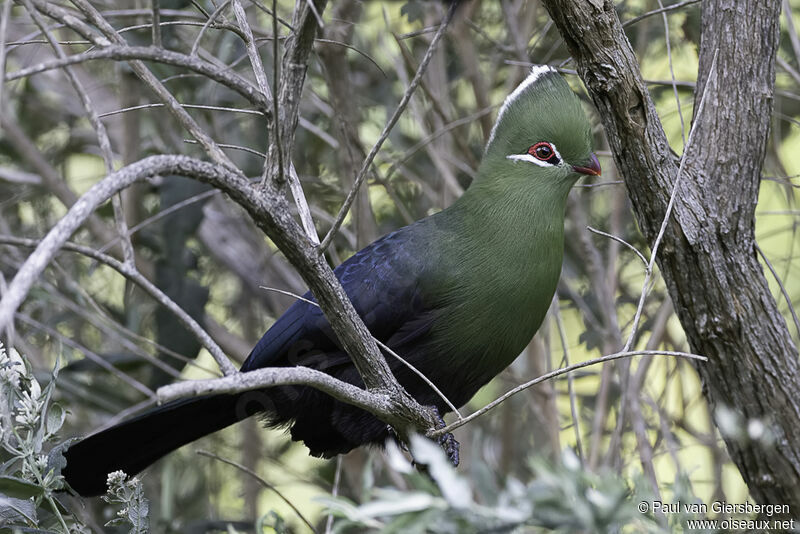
{"x":382,"y":281}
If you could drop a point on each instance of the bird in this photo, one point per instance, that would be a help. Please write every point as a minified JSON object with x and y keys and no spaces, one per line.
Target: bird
{"x":457,"y":294}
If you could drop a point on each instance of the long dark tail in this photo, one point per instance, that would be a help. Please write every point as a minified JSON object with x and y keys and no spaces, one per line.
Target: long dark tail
{"x":133,"y":445}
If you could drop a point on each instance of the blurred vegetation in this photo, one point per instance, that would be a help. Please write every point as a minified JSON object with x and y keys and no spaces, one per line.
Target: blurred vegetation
{"x":563,"y":455}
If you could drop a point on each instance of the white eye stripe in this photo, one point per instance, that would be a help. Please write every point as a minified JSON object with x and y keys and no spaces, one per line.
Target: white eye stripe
{"x":535,"y":160}
{"x":529,"y":158}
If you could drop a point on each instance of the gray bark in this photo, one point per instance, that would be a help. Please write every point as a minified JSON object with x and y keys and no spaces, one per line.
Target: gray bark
{"x":708,"y":258}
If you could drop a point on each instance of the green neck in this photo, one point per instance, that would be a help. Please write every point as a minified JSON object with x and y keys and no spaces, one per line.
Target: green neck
{"x":502,"y":254}
{"x":522,"y":207}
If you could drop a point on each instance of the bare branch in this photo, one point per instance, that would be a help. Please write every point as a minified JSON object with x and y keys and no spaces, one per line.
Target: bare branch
{"x":272,"y":215}
{"x":376,"y":403}
{"x":386,"y":348}
{"x":287,"y":99}
{"x":351,"y":195}
{"x":129,"y":271}
{"x":148,"y":53}
{"x":708,"y":259}
{"x":78,"y":213}
{"x":149,"y":79}
{"x":102,"y":135}
{"x":93,"y":357}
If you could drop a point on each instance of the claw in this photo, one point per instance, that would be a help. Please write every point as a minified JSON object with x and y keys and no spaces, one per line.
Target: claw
{"x":447,"y":441}
{"x":451,"y":448}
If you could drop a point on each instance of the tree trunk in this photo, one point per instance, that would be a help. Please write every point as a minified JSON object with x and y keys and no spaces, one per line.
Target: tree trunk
{"x":708,"y":257}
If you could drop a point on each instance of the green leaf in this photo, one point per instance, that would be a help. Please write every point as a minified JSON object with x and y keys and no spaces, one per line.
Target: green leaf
{"x":18,"y":488}
{"x":16,"y":511}
{"x":454,"y":488}
{"x":55,"y":418}
{"x":397,"y":502}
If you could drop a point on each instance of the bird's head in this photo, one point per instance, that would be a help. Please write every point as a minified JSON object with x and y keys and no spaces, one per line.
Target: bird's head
{"x":541,"y":136}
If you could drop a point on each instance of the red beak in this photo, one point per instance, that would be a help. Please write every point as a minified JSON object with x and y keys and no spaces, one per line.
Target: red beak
{"x":592,"y":167}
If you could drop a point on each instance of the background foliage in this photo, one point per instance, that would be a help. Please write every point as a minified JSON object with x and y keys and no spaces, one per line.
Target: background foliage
{"x":205,"y":253}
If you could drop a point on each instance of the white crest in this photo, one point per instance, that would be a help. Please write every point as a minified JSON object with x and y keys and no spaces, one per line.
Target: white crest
{"x":537,"y":71}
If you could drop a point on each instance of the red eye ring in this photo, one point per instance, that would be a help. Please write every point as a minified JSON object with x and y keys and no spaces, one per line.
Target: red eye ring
{"x":542,"y":151}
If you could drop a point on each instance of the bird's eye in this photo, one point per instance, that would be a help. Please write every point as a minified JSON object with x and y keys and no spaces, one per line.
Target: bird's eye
{"x":544,"y":152}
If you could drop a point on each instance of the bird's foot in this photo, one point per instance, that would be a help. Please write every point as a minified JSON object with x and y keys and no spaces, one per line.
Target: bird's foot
{"x":447,"y":441}
{"x":451,"y":448}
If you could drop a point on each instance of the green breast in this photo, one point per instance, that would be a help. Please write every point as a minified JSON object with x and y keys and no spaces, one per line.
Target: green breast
{"x":494,"y":282}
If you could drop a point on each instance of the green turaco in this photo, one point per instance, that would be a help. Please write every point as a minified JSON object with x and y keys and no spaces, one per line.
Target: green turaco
{"x":458,"y":294}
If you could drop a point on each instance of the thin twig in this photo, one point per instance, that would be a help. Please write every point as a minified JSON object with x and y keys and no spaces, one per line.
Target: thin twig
{"x":790,"y":29}
{"x":211,"y":20}
{"x":601,"y":184}
{"x":233,"y":147}
{"x":104,"y":322}
{"x":6,"y":13}
{"x":433,"y":136}
{"x":200,"y":8}
{"x":139,"y":68}
{"x":261,"y":481}
{"x":351,"y":195}
{"x":109,"y":327}
{"x":156,"y":7}
{"x":559,"y":372}
{"x":91,"y":356}
{"x":782,"y":287}
{"x":673,"y":197}
{"x":662,"y":9}
{"x":187,"y":106}
{"x":227,"y":78}
{"x":80,"y":211}
{"x":782,"y":63}
{"x":355,"y":49}
{"x":619,"y":240}
{"x":672,"y":70}
{"x":573,"y":405}
{"x":337,"y":477}
{"x":163,"y":213}
{"x":422,"y":376}
{"x":136,"y":277}
{"x":103,"y":140}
